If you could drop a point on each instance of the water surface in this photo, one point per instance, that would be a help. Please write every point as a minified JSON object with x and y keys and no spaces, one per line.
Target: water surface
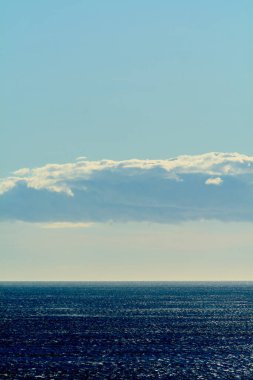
{"x":126,"y":331}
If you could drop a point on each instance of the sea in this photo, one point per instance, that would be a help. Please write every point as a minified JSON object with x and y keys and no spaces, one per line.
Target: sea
{"x":126,"y":330}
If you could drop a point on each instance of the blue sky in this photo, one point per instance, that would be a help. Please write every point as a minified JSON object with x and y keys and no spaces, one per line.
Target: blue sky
{"x":122,"y":80}
{"x":110,"y":79}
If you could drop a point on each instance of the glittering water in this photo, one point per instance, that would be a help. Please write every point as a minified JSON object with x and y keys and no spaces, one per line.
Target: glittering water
{"x":126,"y":331}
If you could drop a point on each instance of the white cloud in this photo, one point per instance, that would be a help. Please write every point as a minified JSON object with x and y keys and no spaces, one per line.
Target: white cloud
{"x":22,"y":172}
{"x":6,"y":185}
{"x":64,"y":225}
{"x":154,"y":190}
{"x":214,"y":181}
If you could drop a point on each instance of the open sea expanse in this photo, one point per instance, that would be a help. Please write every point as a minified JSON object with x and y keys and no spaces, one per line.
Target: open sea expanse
{"x":130,"y":330}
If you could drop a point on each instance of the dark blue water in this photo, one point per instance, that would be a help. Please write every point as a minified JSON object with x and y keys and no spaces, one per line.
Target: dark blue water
{"x":126,"y":331}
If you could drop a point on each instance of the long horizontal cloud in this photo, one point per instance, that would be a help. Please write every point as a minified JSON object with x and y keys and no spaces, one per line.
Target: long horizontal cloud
{"x":208,"y":186}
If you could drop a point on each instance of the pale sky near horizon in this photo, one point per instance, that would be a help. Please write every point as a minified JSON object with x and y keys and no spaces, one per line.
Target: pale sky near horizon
{"x":121,"y":80}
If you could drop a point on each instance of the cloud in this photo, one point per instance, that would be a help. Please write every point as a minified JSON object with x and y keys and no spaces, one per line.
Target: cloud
{"x":64,"y":225}
{"x":214,"y":181}
{"x":165,"y":191}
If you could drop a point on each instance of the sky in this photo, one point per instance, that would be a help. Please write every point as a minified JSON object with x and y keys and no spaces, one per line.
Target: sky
{"x":126,"y":140}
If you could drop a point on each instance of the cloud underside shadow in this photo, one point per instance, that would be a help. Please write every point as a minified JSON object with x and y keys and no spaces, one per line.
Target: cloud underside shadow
{"x":211,"y":186}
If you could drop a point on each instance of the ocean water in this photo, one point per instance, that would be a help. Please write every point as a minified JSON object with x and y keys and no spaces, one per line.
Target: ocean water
{"x":126,"y":331}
